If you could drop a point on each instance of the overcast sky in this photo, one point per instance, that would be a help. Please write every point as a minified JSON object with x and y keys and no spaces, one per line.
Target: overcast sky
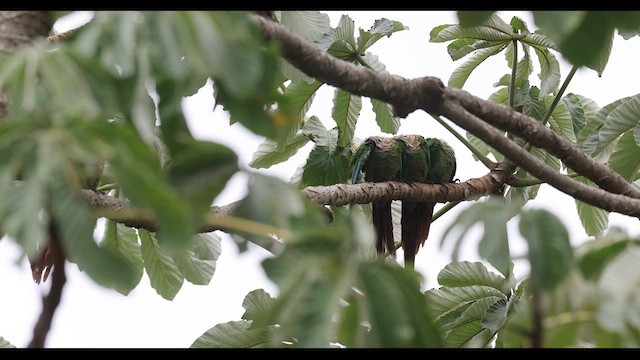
{"x":92,"y":316}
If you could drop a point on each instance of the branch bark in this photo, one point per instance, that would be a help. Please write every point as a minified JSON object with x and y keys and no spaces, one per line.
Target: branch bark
{"x":429,"y":94}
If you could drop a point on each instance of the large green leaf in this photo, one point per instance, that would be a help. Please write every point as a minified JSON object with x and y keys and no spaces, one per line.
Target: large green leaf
{"x":589,"y":136}
{"x":345,"y":112}
{"x":560,"y":119}
{"x":619,"y":120}
{"x":340,"y":42}
{"x":465,"y":273}
{"x":595,"y":259}
{"x":385,"y":119}
{"x":296,"y":101}
{"x":270,"y":153}
{"x":197,"y":262}
{"x":625,"y":159}
{"x":163,"y":273}
{"x":311,"y":25}
{"x":549,"y":72}
{"x":257,"y":305}
{"x":550,"y":252}
{"x":328,"y":163}
{"x":494,"y":244}
{"x":620,"y":281}
{"x":494,"y":29}
{"x":462,"y":73}
{"x":233,"y":335}
{"x":381,"y":28}
{"x":594,"y":219}
{"x":123,"y":241}
{"x":447,"y":303}
{"x":397,"y":309}
{"x":582,"y":110}
{"x":467,"y":330}
{"x":4,"y":344}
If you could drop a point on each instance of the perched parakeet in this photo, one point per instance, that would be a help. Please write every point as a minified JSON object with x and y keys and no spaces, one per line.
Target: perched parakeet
{"x":379,"y":158}
{"x":416,"y":219}
{"x":416,"y":216}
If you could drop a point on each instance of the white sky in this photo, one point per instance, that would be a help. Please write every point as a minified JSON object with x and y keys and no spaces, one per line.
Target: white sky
{"x":92,"y":316}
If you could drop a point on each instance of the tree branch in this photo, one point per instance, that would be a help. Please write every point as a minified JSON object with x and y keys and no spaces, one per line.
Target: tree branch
{"x":405,"y":95}
{"x":52,"y":300}
{"x":426,"y":94}
{"x":538,"y":135}
{"x":538,"y":168}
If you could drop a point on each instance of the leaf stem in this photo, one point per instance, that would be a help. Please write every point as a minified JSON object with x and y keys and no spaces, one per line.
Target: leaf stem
{"x":485,"y":160}
{"x":448,"y":206}
{"x":514,"y":68}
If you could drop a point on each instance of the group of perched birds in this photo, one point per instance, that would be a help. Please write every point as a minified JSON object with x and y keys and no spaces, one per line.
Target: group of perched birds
{"x":410,"y":159}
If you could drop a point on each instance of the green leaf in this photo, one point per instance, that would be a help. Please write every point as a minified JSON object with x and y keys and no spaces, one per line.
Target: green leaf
{"x":163,"y":273}
{"x":233,"y":335}
{"x":197,"y":262}
{"x":462,"y":73}
{"x":372,"y":62}
{"x":594,"y":219}
{"x":4,"y":344}
{"x":326,"y":167}
{"x":494,"y":244}
{"x":539,"y":41}
{"x":589,"y":137}
{"x":122,"y":240}
{"x":473,"y":18}
{"x":549,"y":72}
{"x":397,"y":308}
{"x":296,"y":101}
{"x":620,"y":281}
{"x":636,"y":133}
{"x":560,"y":119}
{"x":381,"y":28}
{"x":467,"y":331}
{"x":595,"y":260}
{"x":257,"y":305}
{"x":550,"y":251}
{"x":625,"y":159}
{"x":345,"y":112}
{"x":581,"y":109}
{"x":494,"y":29}
{"x":448,"y":303}
{"x":622,"y":118}
{"x":465,"y":273}
{"x":318,"y":133}
{"x":385,"y":119}
{"x":496,"y":316}
{"x":311,"y":25}
{"x":351,"y":332}
{"x":76,"y":225}
{"x":270,"y":153}
{"x":340,"y":42}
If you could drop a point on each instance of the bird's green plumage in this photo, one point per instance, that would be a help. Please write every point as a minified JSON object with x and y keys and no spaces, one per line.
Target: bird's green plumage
{"x":380,"y":159}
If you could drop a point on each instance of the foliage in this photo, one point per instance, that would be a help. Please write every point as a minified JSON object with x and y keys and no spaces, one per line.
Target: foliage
{"x":112,"y":92}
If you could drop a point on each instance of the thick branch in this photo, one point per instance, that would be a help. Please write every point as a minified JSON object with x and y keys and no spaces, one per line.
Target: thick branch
{"x":405,"y":95}
{"x":538,"y":168}
{"x":537,"y":134}
{"x":52,"y":300}
{"x":341,"y":194}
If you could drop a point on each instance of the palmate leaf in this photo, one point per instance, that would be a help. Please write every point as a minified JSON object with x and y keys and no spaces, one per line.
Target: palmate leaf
{"x":619,"y":120}
{"x":494,"y":29}
{"x":550,"y":252}
{"x":589,"y":136}
{"x":328,"y":163}
{"x":549,"y":72}
{"x":396,"y":308}
{"x":462,"y":73}
{"x":257,"y":305}
{"x":625,"y":159}
{"x":465,"y":273}
{"x":4,"y":344}
{"x":467,"y":330}
{"x":340,"y":42}
{"x":233,"y":335}
{"x":123,"y":241}
{"x":197,"y":262}
{"x":581,"y":109}
{"x":270,"y":153}
{"x":164,"y":275}
{"x":494,"y":244}
{"x":385,"y":119}
{"x":311,"y":25}
{"x":345,"y":112}
{"x":447,"y":303}
{"x":381,"y":28}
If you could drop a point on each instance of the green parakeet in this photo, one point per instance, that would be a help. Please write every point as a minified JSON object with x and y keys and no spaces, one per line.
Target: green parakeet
{"x":379,"y":158}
